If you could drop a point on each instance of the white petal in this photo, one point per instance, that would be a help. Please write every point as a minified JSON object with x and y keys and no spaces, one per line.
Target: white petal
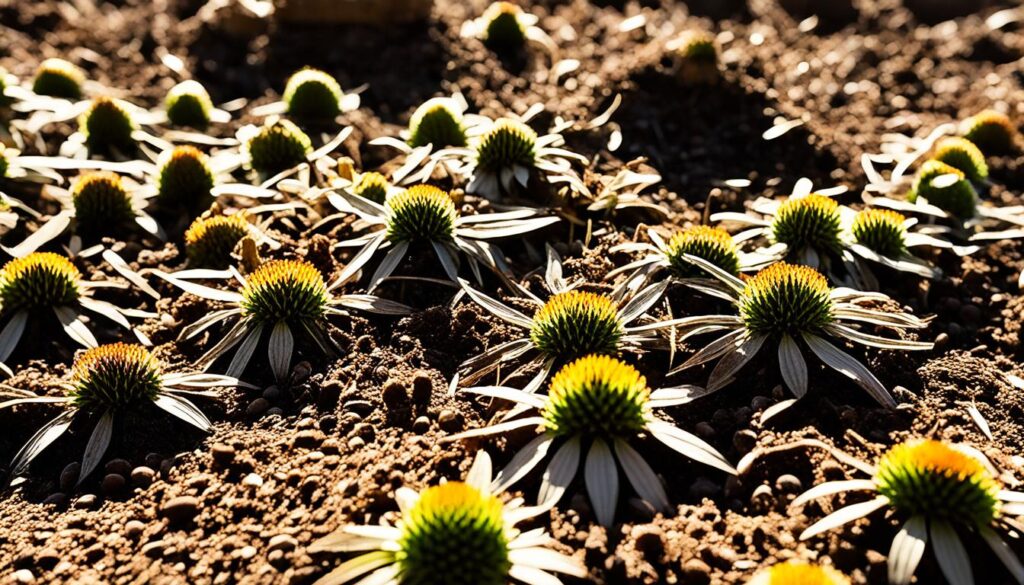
{"x":793,"y":366}
{"x":602,"y":479}
{"x":559,"y":473}
{"x":523,"y":463}
{"x":641,"y":476}
{"x":844,"y":515}
{"x":907,"y":550}
{"x":950,"y":552}
{"x":833,"y":487}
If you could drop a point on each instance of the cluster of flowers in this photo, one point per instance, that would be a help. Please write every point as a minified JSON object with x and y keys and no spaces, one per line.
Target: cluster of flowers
{"x":810,"y":282}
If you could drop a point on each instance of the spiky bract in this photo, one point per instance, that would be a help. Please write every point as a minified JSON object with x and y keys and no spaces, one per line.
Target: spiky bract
{"x":436,"y":123}
{"x":800,"y":573}
{"x":506,"y":144}
{"x":101,"y":202}
{"x":576,"y":323}
{"x":108,"y":126}
{"x":880,"y":230}
{"x":279,"y":145}
{"x":786,"y":299}
{"x":993,"y":132}
{"x":372,"y":186}
{"x":713,"y":244}
{"x":698,"y":45}
{"x":455,"y":534}
{"x":188,"y":104}
{"x":596,"y":396}
{"x":185,"y":178}
{"x":313,"y":94}
{"x":58,"y":78}
{"x":115,"y":376}
{"x":40,"y":280}
{"x":957,"y":198}
{"x":813,"y":221}
{"x":937,"y":480}
{"x":421,"y":213}
{"x":209,"y":241}
{"x":292,"y":291}
{"x":962,"y":154}
{"x":503,"y":30}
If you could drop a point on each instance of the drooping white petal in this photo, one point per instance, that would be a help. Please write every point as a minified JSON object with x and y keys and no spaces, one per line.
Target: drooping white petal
{"x":602,"y":479}
{"x":792,"y":366}
{"x":907,"y":549}
{"x":641,"y":476}
{"x":279,"y":350}
{"x":546,"y":559}
{"x":522,"y":463}
{"x":843,"y":516}
{"x":532,"y":576}
{"x":833,"y":487}
{"x":47,"y":434}
{"x":75,"y":327}
{"x":559,"y":473}
{"x":849,"y":367}
{"x":498,"y":428}
{"x":480,"y":473}
{"x":357,"y":567}
{"x":1004,"y":552}
{"x":950,"y":552}
{"x":11,"y":334}
{"x":183,"y":409}
{"x":97,"y":445}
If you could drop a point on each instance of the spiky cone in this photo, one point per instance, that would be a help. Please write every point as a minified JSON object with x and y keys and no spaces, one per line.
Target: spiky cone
{"x":460,"y":530}
{"x":783,"y":304}
{"x":963,"y":155}
{"x":108,"y":127}
{"x":945,"y":187}
{"x":58,"y":78}
{"x":110,"y":381}
{"x":313,"y":95}
{"x":881,"y":230}
{"x":569,"y":324}
{"x":44,"y":282}
{"x":604,"y":403}
{"x":102,"y":203}
{"x":799,"y":573}
{"x":993,"y":132}
{"x":942,"y":491}
{"x":280,"y":297}
{"x":184,"y":179}
{"x":695,"y":53}
{"x":210,"y":241}
{"x":713,"y":244}
{"x":503,"y":30}
{"x":426,"y":215}
{"x":438,"y":124}
{"x":188,"y":104}
{"x":279,"y":145}
{"x":372,"y":186}
{"x":811,"y":222}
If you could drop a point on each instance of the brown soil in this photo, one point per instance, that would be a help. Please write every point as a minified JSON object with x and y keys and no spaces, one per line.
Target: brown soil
{"x":287,"y":465}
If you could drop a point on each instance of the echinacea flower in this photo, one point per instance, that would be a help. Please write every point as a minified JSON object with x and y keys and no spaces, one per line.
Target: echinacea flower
{"x":944,"y":491}
{"x":458,"y":532}
{"x":426,"y":215}
{"x":107,"y":127}
{"x":963,"y":155}
{"x":282,"y":298}
{"x":313,"y":95}
{"x":44,"y":282}
{"x":437,"y":124}
{"x":993,"y":132}
{"x":505,"y":154}
{"x":713,"y":244}
{"x":695,"y":53}
{"x":783,"y":304}
{"x":212,"y":237}
{"x":58,"y":78}
{"x":806,"y":227}
{"x":189,"y":104}
{"x":505,"y":28}
{"x":109,"y":381}
{"x":799,"y":573}
{"x":100,"y":203}
{"x":570,"y":324}
{"x":279,"y":149}
{"x":605,"y":403}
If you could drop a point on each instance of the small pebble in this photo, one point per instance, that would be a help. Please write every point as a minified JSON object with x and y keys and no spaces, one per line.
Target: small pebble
{"x":59,"y":499}
{"x":223,"y":454}
{"x":275,"y":411}
{"x":119,"y":466}
{"x":87,"y":501}
{"x":704,"y":430}
{"x":23,"y":576}
{"x":143,"y":476}
{"x":394,"y":394}
{"x":257,"y":407}
{"x":744,"y":440}
{"x":180,"y":509}
{"x":69,"y":476}
{"x":356,"y":443}
{"x":421,"y":425}
{"x":788,"y":483}
{"x":284,"y":542}
{"x":134,"y":528}
{"x":252,"y":480}
{"x":272,"y":393}
{"x":360,"y":407}
{"x":449,"y":420}
{"x":112,"y":483}
{"x":422,"y":387}
{"x":153,"y":549}
{"x":247,"y":552}
{"x":762,"y":498}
